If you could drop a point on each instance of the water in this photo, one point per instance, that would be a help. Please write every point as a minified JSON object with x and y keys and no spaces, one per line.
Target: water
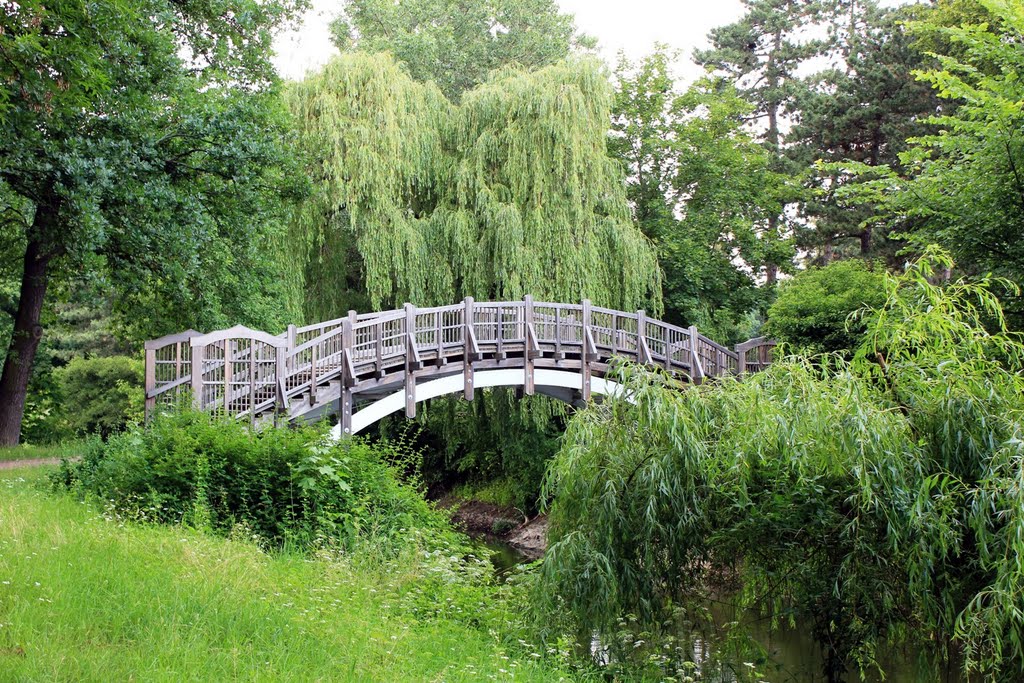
{"x":790,"y":654}
{"x":503,"y":557}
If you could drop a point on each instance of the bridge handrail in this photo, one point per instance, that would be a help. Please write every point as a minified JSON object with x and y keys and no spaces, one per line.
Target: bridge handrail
{"x":336,"y":349}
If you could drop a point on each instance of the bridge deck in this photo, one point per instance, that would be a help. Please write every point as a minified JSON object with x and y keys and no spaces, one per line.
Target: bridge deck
{"x":329,"y":366}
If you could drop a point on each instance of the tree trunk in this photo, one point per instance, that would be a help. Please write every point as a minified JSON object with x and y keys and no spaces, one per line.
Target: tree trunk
{"x":27,"y":331}
{"x":865,"y":242}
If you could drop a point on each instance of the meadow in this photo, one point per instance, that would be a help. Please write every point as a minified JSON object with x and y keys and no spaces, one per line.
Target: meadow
{"x":86,"y":596}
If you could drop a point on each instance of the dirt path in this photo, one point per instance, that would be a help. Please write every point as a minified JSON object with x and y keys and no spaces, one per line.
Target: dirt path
{"x":28,"y":462}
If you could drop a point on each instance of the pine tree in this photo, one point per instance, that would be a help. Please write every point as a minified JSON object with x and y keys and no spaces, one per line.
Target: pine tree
{"x":862,"y":110}
{"x":762,"y":54}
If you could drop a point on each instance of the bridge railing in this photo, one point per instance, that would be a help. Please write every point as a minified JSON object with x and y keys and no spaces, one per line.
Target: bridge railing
{"x":246,"y":372}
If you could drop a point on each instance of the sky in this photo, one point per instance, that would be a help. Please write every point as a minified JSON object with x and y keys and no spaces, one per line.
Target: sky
{"x":632,"y":26}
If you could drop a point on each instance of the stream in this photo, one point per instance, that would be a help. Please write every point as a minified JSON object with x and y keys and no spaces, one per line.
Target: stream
{"x":792,"y":656}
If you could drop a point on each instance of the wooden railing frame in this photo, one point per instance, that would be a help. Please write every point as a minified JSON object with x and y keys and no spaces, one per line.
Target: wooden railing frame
{"x":366,"y":350}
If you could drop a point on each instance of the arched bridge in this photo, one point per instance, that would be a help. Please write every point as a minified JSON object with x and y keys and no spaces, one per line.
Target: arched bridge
{"x":367,"y":366}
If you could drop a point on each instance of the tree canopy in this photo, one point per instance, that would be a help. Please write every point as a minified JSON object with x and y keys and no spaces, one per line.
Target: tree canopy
{"x":457,"y":44}
{"x":507,"y":193}
{"x":139,"y":139}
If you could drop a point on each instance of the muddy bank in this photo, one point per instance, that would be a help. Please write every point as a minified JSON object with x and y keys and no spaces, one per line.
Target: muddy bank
{"x":499,"y":523}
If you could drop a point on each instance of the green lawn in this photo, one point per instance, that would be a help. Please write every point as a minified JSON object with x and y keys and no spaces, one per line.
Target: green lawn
{"x":32,"y":452}
{"x":84,"y":598}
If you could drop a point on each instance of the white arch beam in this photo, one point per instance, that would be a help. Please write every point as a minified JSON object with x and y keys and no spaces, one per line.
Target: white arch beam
{"x":454,"y":384}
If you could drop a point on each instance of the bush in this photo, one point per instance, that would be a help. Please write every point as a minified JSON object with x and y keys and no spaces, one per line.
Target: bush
{"x":285,"y":486}
{"x":812,"y":311}
{"x":101,"y":395}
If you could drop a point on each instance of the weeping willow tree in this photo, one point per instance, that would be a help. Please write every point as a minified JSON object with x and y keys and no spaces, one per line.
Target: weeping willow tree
{"x":878,"y":502}
{"x":511,"y":192}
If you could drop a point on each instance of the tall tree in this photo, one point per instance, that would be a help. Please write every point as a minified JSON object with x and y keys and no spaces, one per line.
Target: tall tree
{"x":863,"y":109}
{"x":700,"y":188}
{"x":963,"y":185}
{"x":762,"y":53}
{"x":457,"y":43}
{"x":511,"y":192}
{"x":139,"y":138}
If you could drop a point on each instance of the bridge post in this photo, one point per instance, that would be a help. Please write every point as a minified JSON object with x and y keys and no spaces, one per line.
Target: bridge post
{"x":643,"y":353}
{"x":410,"y":355}
{"x":347,"y":374}
{"x":696,"y":368}
{"x":467,"y":339}
{"x":585,"y":350}
{"x":197,"y":376}
{"x":530,"y":346}
{"x":290,"y":336}
{"x":280,"y":372}
{"x":151,"y":379}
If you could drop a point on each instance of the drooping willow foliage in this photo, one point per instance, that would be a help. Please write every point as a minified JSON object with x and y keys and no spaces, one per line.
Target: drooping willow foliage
{"x":879,"y":501}
{"x":511,"y":192}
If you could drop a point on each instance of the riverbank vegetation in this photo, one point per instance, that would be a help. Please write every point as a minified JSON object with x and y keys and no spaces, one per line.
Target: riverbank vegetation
{"x":88,"y":595}
{"x":877,"y":500}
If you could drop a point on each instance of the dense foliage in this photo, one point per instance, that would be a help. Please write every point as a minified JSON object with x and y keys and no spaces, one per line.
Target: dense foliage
{"x":702,"y":189}
{"x":284,"y":486}
{"x":878,"y":500}
{"x":100,"y":395}
{"x":141,"y":141}
{"x":458,"y":44}
{"x":814,"y":311}
{"x":508,"y":193}
{"x":961,"y":186}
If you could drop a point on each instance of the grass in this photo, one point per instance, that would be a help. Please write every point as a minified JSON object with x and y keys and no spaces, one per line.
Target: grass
{"x":87,"y":598}
{"x":26,"y":452}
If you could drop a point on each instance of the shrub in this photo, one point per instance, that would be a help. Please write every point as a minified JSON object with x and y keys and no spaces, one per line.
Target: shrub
{"x":285,"y":486}
{"x":812,"y":312}
{"x":101,"y":395}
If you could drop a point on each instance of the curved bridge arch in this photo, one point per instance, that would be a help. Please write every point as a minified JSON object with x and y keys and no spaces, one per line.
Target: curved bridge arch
{"x":388,"y":360}
{"x":454,"y":384}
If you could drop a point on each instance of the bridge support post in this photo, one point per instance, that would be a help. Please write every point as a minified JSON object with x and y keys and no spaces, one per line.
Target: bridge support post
{"x":587,"y":350}
{"x":197,"y":376}
{"x":469,"y":354}
{"x":696,"y":368}
{"x":280,"y":372}
{"x":643,"y":353}
{"x":410,"y":360}
{"x":532,"y":348}
{"x":151,"y":380}
{"x":348,"y":374}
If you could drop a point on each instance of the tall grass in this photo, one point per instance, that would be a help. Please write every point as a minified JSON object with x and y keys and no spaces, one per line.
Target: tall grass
{"x":85,"y":596}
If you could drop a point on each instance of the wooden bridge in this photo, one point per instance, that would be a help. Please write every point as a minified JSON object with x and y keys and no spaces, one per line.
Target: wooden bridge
{"x":366,"y":366}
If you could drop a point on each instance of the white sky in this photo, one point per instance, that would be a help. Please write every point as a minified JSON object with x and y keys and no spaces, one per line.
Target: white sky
{"x":630,"y":25}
